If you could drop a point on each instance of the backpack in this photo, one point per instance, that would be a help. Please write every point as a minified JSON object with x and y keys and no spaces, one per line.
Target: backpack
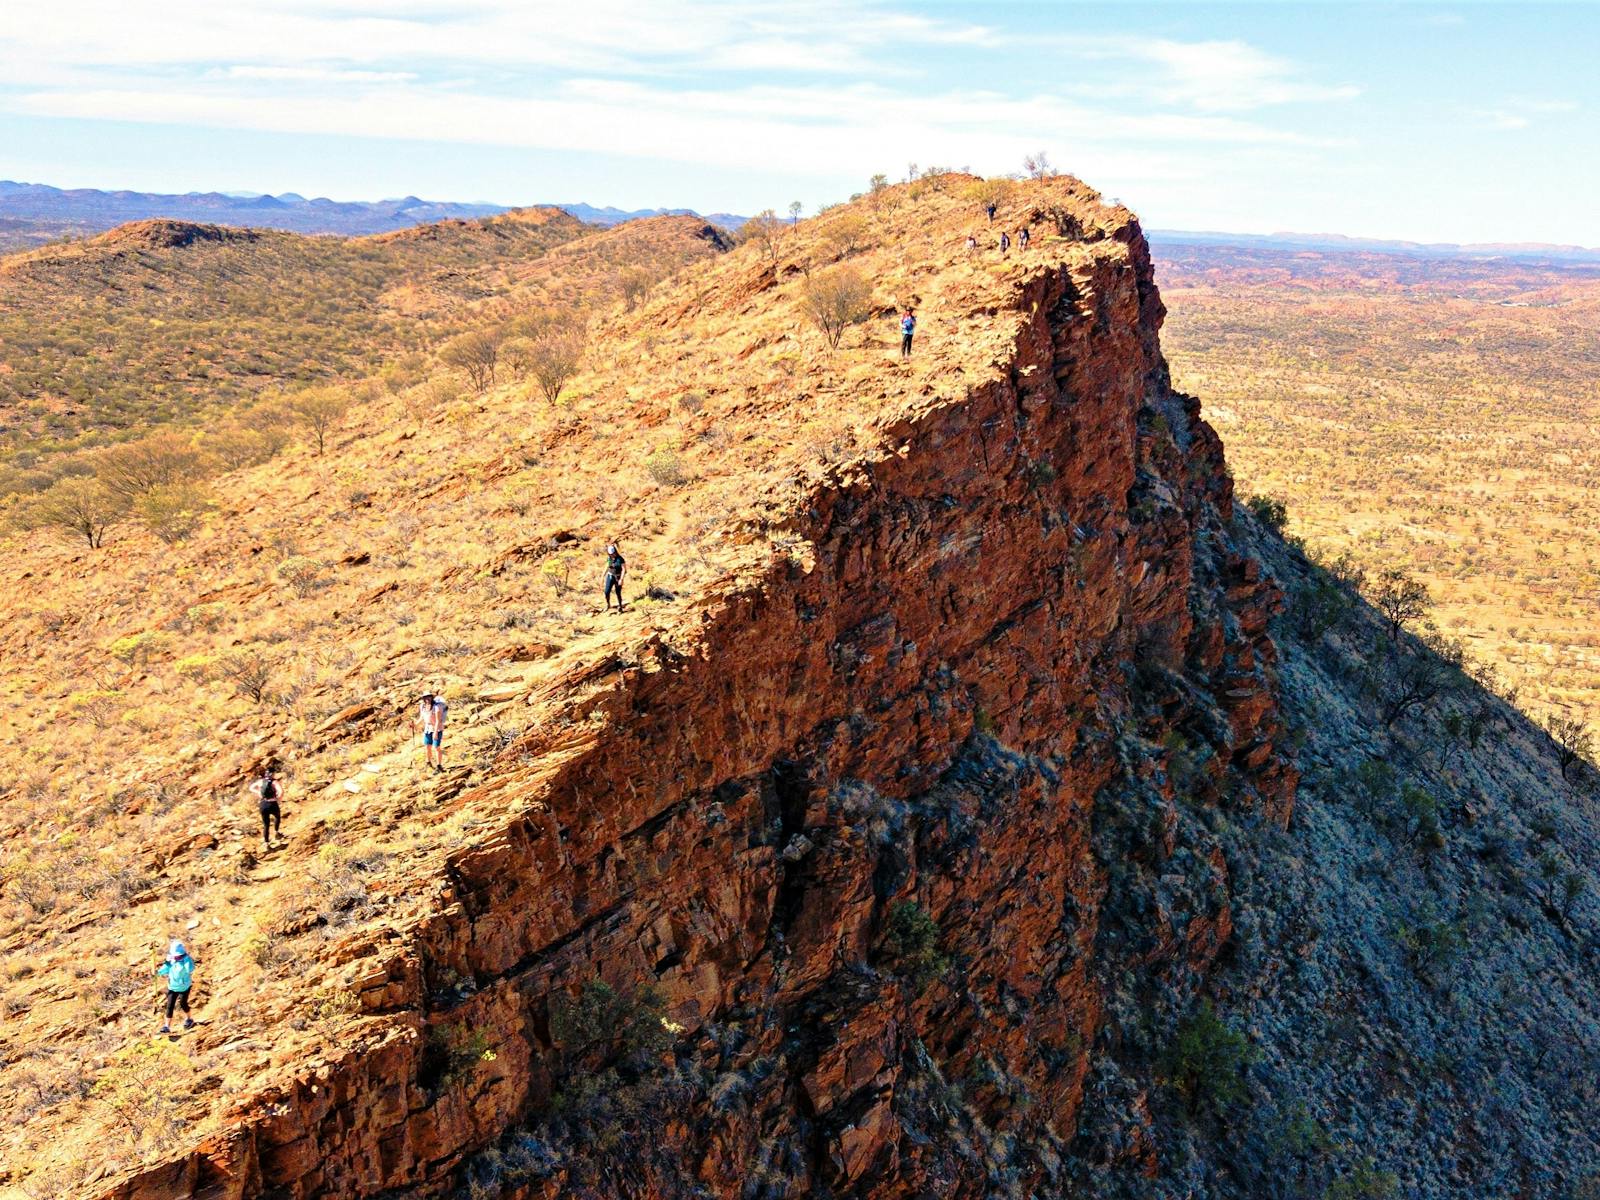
{"x":269,"y":790}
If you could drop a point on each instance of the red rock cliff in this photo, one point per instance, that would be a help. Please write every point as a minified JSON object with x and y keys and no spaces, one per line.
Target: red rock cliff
{"x":966,"y":679}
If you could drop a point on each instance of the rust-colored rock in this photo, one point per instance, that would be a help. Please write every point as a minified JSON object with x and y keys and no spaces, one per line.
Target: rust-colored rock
{"x":968,"y":694}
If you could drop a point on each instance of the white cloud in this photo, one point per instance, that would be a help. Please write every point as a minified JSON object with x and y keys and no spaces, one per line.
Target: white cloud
{"x":309,"y":75}
{"x":1520,"y":112}
{"x":818,"y":130}
{"x":1499,"y":118}
{"x":743,"y":84}
{"x":1231,"y":76}
{"x":1209,"y":76}
{"x":611,"y":35}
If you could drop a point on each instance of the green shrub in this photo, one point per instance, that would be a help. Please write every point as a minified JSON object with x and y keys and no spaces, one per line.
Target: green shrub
{"x":208,"y":616}
{"x":911,"y":943}
{"x":75,"y":508}
{"x":1320,"y":606}
{"x":1270,"y":511}
{"x":451,"y":1054}
{"x":666,"y":468}
{"x":137,"y":649}
{"x":302,"y":574}
{"x":1432,"y":942}
{"x":174,"y":511}
{"x":1421,"y":813}
{"x":1206,"y":1062}
{"x":1365,"y":1182}
{"x":600,"y":1018}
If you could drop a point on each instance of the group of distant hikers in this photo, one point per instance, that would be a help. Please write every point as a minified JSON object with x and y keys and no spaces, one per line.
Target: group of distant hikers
{"x":1024,"y":236}
{"x":429,"y":721}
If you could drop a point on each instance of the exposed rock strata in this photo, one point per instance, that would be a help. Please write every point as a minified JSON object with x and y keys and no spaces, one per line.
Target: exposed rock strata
{"x":927,"y":693}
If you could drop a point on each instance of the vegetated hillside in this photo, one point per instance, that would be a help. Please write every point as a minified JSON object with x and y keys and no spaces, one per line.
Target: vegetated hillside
{"x":24,"y":233}
{"x":928,"y":825}
{"x":161,"y":322}
{"x":1434,"y":413}
{"x":28,"y":210}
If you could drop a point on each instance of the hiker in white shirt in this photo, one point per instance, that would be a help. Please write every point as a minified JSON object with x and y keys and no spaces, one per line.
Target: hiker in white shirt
{"x":431,"y":713}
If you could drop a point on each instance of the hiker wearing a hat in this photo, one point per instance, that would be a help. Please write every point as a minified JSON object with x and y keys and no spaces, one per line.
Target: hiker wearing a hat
{"x":179,"y":970}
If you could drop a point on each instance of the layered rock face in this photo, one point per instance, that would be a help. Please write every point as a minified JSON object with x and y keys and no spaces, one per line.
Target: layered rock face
{"x":880,"y":824}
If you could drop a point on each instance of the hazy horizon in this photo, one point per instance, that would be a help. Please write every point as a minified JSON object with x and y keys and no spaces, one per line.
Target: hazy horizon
{"x":1285,"y":234}
{"x":1423,"y":122}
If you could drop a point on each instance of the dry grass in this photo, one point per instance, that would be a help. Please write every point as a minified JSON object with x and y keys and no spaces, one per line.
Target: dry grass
{"x":1428,"y":413}
{"x":140,"y":328}
{"x":147,"y":681}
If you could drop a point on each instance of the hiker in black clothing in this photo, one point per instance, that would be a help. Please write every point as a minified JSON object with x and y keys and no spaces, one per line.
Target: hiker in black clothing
{"x":908,"y":327}
{"x":990,"y":210}
{"x":1022,"y":238}
{"x":616,"y":567}
{"x":267,"y":791}
{"x":1005,"y":241}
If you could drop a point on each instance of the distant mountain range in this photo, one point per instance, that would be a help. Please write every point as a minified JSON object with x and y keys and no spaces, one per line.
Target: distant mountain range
{"x":1339,"y":242}
{"x":615,"y":216}
{"x":34,"y":213}
{"x":89,"y":210}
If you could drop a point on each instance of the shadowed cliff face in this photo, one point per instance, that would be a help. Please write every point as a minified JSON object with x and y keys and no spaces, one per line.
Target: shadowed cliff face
{"x":965,"y":681}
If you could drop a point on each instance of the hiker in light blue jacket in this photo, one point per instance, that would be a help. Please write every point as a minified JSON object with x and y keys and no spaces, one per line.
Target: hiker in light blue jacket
{"x":179,"y":970}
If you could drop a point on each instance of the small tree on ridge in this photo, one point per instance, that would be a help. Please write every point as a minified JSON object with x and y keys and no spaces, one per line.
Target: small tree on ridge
{"x":836,"y":300}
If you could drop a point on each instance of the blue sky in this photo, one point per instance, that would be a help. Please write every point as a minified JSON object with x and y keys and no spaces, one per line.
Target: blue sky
{"x":1449,"y":122}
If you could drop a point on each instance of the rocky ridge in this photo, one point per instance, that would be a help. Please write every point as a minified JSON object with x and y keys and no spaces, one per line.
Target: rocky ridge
{"x":929,"y":700}
{"x":900,"y":856}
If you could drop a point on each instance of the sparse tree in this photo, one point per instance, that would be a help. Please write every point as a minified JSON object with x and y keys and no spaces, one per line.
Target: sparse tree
{"x":1409,"y":680}
{"x":795,"y":208}
{"x":1038,"y":166}
{"x":847,"y":234}
{"x":235,"y":446}
{"x":477,"y":354}
{"x":175,"y":511}
{"x":875,"y":190}
{"x":133,"y":468}
{"x":434,"y":393}
{"x":636,"y":285}
{"x":764,"y":229}
{"x":1573,"y":885}
{"x":836,"y":300}
{"x":1205,"y":1062}
{"x":76,"y":507}
{"x":553,"y":359}
{"x":320,"y":410}
{"x":1270,"y":511}
{"x":1574,"y":741}
{"x":986,"y":192}
{"x":1400,"y":598}
{"x":250,"y":670}
{"x":517,"y":355}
